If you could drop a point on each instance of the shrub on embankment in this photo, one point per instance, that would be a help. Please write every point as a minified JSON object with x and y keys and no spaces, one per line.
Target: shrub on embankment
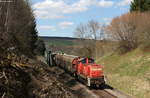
{"x":129,"y":72}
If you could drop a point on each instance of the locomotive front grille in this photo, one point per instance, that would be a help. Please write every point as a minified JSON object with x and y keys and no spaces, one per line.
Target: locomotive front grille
{"x":97,"y":80}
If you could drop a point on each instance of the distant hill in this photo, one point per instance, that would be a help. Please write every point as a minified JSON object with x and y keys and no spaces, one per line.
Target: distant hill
{"x":65,"y":44}
{"x":59,"y":41}
{"x":58,"y":38}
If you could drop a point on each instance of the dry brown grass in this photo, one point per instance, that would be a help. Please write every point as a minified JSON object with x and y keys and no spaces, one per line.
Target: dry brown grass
{"x":129,"y":73}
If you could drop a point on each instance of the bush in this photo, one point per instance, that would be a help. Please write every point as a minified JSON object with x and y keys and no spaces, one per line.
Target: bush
{"x":130,"y":30}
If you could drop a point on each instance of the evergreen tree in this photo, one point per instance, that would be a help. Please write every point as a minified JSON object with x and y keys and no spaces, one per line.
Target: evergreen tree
{"x":17,"y":27}
{"x":40,"y":47}
{"x":140,"y":5}
{"x":24,"y":27}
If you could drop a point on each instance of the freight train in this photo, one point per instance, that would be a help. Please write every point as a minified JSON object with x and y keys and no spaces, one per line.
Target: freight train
{"x":82,"y":68}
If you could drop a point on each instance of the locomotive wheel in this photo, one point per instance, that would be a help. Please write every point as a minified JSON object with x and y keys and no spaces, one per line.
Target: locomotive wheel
{"x":102,"y":85}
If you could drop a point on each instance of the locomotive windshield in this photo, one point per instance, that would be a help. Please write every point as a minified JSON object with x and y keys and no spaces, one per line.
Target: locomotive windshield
{"x":91,"y":60}
{"x":84,"y":61}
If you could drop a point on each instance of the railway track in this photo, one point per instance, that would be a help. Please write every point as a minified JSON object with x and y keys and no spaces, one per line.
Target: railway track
{"x":117,"y":93}
{"x":82,"y":91}
{"x":103,"y":94}
{"x":111,"y":93}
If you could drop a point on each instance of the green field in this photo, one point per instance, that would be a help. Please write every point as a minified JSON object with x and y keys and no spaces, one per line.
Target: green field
{"x":59,"y":41}
{"x":129,"y":72}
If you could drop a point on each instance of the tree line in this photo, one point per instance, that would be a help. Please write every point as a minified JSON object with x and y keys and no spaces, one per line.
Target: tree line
{"x":127,"y":32}
{"x":18,"y":32}
{"x":132,"y":29}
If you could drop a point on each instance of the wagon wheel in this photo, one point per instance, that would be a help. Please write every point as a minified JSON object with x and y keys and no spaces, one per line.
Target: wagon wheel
{"x":75,"y":75}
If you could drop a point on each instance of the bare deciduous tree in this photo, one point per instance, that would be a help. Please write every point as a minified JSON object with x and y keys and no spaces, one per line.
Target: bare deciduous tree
{"x":90,"y":33}
{"x":130,"y":30}
{"x":81,"y":31}
{"x":94,"y":29}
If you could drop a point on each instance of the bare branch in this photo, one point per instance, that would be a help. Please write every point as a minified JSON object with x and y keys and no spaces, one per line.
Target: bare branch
{"x":4,"y":95}
{"x":5,"y":77}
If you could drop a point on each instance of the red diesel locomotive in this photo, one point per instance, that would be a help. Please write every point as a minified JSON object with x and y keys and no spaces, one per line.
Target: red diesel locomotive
{"x":83,"y":69}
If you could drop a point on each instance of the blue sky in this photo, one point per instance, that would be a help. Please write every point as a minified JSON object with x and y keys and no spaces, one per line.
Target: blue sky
{"x":61,"y":17}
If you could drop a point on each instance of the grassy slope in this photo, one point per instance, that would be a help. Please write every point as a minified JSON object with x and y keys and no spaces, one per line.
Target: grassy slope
{"x":129,"y":73}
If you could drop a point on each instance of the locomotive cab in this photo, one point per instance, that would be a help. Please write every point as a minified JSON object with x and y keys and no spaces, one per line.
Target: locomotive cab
{"x":92,"y":71}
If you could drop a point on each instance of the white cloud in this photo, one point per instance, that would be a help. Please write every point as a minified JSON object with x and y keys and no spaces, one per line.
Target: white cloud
{"x":46,"y":27}
{"x":107,"y":20}
{"x":105,"y":3}
{"x":124,"y":2}
{"x":61,"y":25}
{"x":80,"y":6}
{"x":56,"y":9}
{"x":46,"y":15}
{"x":59,"y":8}
{"x":65,"y":24}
